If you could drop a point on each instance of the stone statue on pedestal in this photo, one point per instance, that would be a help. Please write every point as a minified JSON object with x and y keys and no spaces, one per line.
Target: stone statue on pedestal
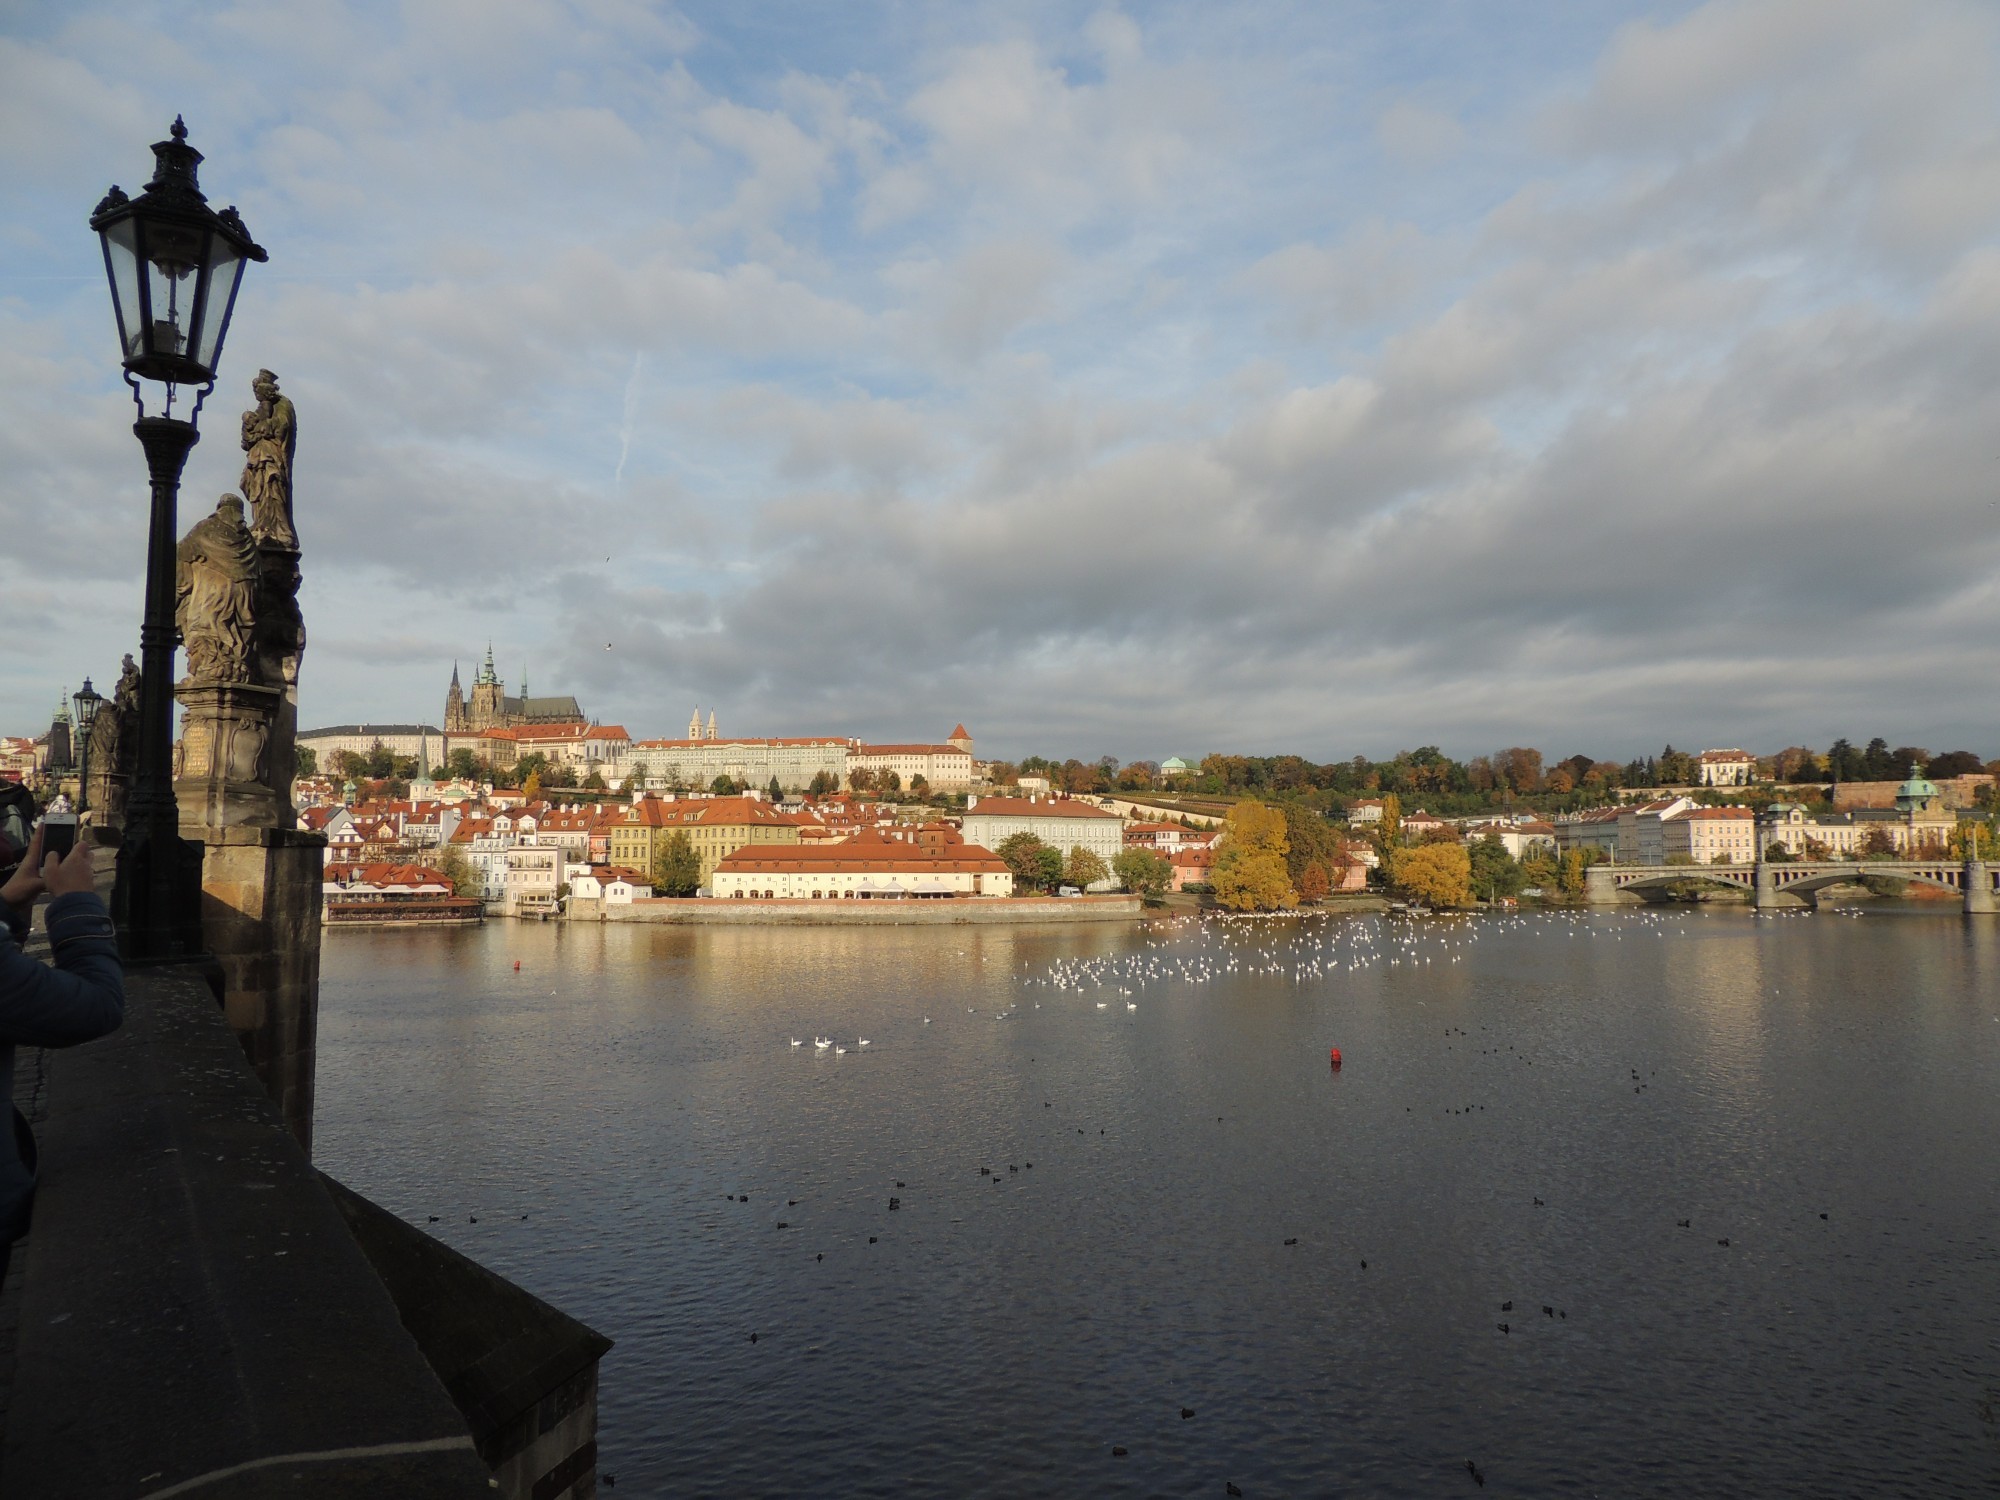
{"x":114,"y":749}
{"x":238,"y":613}
{"x":270,"y":439}
{"x":216,"y":595}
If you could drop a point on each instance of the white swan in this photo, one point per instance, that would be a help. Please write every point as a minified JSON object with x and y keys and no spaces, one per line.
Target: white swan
{"x":795,"y":1041}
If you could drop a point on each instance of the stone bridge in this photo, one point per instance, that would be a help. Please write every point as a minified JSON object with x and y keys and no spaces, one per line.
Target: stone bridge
{"x":1774,"y":885}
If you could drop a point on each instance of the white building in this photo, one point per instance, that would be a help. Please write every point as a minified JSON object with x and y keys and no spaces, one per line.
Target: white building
{"x":424,"y":742}
{"x":1061,"y":823}
{"x":529,"y":875}
{"x":667,"y":764}
{"x":1710,"y":835}
{"x":1725,"y":768}
{"x":1641,"y":840}
{"x":944,"y":768}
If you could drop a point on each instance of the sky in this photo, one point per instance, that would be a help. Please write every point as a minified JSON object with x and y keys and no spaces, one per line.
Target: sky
{"x":1318,"y":378}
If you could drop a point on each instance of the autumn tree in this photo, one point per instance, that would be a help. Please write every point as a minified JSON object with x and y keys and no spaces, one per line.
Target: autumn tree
{"x":676,"y":867}
{"x":1144,"y":872}
{"x":1438,"y":875}
{"x":1250,"y":873}
{"x":531,"y":789}
{"x":1310,"y":843}
{"x":1389,"y":831}
{"x":1084,"y":869}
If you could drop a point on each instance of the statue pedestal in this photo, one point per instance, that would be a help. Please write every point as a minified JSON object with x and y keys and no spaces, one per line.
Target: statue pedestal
{"x":222,"y":780}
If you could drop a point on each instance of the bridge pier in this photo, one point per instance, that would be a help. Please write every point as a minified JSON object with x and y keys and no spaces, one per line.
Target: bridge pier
{"x":1600,"y":888}
{"x":1980,"y":896}
{"x":1764,"y":892}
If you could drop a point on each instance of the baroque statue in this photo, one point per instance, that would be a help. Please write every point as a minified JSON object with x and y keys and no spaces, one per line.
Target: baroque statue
{"x":215,"y":595}
{"x":270,"y":438}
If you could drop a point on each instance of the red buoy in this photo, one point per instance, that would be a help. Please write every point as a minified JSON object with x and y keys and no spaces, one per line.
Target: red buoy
{"x":1333,"y":1055}
{"x":517,"y":966}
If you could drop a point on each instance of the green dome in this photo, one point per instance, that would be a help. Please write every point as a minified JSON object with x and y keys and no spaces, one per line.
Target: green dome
{"x":1916,"y":791}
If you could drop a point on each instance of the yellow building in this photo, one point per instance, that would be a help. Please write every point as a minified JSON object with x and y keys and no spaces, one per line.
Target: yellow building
{"x":715,"y":826}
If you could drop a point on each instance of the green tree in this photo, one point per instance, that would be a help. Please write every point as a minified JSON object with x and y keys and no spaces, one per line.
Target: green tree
{"x":722,"y":786}
{"x":919,"y":786}
{"x":1310,"y":843}
{"x":1084,"y":869}
{"x":455,"y":867}
{"x":308,"y":761}
{"x":534,"y":763}
{"x":1493,"y":871}
{"x":676,"y":867}
{"x":889,"y":781}
{"x":775,"y":792}
{"x":1143,"y":872}
{"x":1438,"y":875}
{"x":823,"y":784}
{"x":594,"y":782}
{"x":464,"y":765}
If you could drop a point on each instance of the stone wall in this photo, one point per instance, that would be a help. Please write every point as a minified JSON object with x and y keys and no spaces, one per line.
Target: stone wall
{"x":1955,"y":791}
{"x":260,"y":917}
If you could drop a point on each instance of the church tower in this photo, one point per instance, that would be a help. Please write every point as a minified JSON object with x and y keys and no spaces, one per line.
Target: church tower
{"x":454,"y":705}
{"x":711,"y":723}
{"x":486,"y":711}
{"x":694,"y":723}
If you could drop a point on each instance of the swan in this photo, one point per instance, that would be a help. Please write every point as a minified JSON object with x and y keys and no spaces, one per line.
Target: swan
{"x":840,"y":1051}
{"x":795,"y":1041}
{"x":822,"y":1042}
{"x":863,"y":1041}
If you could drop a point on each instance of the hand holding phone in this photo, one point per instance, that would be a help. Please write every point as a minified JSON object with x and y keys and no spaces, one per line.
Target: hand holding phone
{"x":58,"y":834}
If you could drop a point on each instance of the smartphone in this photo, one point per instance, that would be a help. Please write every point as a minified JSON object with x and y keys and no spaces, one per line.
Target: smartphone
{"x":58,"y":834}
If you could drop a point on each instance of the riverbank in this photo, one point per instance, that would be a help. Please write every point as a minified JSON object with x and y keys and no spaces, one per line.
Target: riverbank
{"x":981,"y":911}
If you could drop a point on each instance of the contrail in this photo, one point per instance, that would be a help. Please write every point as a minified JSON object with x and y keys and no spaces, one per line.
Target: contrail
{"x":625,"y":425}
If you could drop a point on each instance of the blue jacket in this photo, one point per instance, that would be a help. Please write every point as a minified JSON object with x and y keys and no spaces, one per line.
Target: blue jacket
{"x":80,"y":999}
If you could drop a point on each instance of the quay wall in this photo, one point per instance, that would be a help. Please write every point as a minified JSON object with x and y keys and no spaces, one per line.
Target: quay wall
{"x":810,"y":913}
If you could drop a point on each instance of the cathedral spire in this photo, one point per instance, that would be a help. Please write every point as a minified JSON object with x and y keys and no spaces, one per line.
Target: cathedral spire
{"x":62,"y":707}
{"x":454,"y":674}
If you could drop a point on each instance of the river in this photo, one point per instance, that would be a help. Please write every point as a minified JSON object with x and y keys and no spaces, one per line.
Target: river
{"x":1131,"y":1188}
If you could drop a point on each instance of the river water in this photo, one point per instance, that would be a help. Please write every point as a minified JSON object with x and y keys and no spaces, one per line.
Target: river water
{"x":1188,"y":1210}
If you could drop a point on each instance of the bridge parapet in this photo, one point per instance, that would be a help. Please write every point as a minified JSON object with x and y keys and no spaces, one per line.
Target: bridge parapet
{"x":1794,"y":884}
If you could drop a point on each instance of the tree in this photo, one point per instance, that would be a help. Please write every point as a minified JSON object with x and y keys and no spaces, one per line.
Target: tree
{"x":1310,"y":842}
{"x":1569,"y":874}
{"x":531,"y":789}
{"x":455,"y":867}
{"x":560,"y":773}
{"x":347,"y":765}
{"x":1083,"y":869}
{"x":1540,"y":872}
{"x":676,"y":867}
{"x":722,"y":786}
{"x":1955,"y":763}
{"x":1877,"y":843}
{"x":1493,"y":871}
{"x":1389,"y":831}
{"x":1253,"y":881}
{"x":308,"y":761}
{"x":464,"y":765}
{"x":532,"y":764}
{"x":919,"y":787}
{"x":1250,"y":873}
{"x":1438,"y":875}
{"x":823,"y":784}
{"x":889,"y":781}
{"x":1144,"y":872}
{"x":1021,"y":853}
{"x":1313,"y":883}
{"x":861,"y":779}
{"x":775,"y":792}
{"x":1674,"y":768}
{"x":594,"y":782}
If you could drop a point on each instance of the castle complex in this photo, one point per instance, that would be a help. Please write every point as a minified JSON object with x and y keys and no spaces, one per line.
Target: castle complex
{"x":491,"y":708}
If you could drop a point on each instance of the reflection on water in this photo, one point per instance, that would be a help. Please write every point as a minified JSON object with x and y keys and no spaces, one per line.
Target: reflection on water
{"x":1527,"y":1110}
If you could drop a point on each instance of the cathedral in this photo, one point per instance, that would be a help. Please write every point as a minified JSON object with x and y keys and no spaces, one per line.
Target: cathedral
{"x":491,"y":708}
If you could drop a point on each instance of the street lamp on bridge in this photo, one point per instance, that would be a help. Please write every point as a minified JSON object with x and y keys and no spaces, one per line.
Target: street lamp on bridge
{"x":174,"y":265}
{"x":87,"y":700}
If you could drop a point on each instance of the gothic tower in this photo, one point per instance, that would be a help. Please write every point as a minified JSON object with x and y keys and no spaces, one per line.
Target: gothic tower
{"x":454,"y":705}
{"x":694,"y":723}
{"x":487,"y":711}
{"x":711,"y":723}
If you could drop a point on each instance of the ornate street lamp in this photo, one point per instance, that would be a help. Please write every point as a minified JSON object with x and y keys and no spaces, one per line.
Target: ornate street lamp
{"x":87,"y":701}
{"x":174,"y":264}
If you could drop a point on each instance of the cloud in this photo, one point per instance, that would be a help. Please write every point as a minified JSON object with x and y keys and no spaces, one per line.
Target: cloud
{"x":1146,"y":383}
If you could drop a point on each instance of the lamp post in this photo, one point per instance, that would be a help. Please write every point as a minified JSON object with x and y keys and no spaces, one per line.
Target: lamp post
{"x":87,"y":701}
{"x":174,"y":265}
